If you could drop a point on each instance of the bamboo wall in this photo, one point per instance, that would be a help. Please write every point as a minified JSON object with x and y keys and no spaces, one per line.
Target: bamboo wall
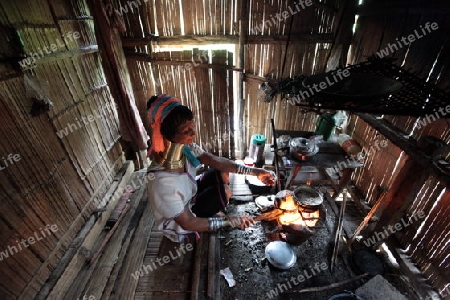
{"x":312,"y":33}
{"x":57,"y":181}
{"x":380,"y":23}
{"x":56,"y":178}
{"x":381,"y":164}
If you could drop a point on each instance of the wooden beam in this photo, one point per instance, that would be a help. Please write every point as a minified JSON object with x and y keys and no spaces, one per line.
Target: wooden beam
{"x":213,"y":286}
{"x":125,"y":286}
{"x":72,"y":262}
{"x":196,"y":273}
{"x":367,"y":218}
{"x":197,"y":40}
{"x":243,"y":28}
{"x":295,"y":38}
{"x":188,"y":64}
{"x":398,"y":199}
{"x":55,"y":56}
{"x":335,"y":209}
{"x":403,"y":142}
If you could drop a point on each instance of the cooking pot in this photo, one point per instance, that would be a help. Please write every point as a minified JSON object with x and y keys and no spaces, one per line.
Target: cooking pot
{"x":283,"y":145}
{"x":281,"y":196}
{"x":257,"y":187}
{"x":300,"y":147}
{"x":308,"y":197}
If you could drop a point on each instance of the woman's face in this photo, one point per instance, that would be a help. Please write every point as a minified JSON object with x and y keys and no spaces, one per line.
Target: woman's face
{"x":185,"y":133}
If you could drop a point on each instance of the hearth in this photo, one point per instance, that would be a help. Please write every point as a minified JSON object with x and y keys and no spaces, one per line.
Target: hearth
{"x":296,"y":214}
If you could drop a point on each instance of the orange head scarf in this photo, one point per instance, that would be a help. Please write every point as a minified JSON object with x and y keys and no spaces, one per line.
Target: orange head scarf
{"x":157,"y":112}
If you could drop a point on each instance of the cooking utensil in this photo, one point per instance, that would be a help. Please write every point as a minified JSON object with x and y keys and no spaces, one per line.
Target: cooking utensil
{"x":283,"y":144}
{"x":307,"y":196}
{"x":265,"y":202}
{"x":301,"y":147}
{"x":256,"y":186}
{"x":280,"y":255}
{"x":281,"y":196}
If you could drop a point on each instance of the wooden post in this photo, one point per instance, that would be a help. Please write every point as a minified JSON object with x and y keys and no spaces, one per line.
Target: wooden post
{"x":400,"y":196}
{"x":213,"y":287}
{"x":116,"y":73}
{"x":243,"y":26}
{"x":196,"y":273}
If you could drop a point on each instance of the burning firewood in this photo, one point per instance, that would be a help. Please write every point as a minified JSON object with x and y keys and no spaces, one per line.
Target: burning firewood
{"x":269,"y":216}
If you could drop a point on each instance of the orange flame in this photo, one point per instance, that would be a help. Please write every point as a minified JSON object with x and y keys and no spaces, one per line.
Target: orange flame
{"x":311,"y":219}
{"x":288,"y":203}
{"x":293,"y":216}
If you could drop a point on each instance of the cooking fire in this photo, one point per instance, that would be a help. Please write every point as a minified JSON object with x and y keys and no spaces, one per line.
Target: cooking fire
{"x":296,"y":213}
{"x":293,"y":214}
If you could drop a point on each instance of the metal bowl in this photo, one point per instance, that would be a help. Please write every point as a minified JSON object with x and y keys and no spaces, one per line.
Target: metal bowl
{"x":265,"y":203}
{"x":280,"y":255}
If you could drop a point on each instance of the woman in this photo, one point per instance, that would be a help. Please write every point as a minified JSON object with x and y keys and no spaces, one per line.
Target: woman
{"x":181,"y":204}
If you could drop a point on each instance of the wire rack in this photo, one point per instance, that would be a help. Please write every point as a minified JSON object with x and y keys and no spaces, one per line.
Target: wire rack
{"x":416,"y":97}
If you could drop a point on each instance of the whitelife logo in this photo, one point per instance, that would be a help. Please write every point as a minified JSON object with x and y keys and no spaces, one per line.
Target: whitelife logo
{"x":186,"y":67}
{"x":183,"y":249}
{"x":30,"y":62}
{"x":313,"y":271}
{"x":379,"y":236}
{"x":11,"y":158}
{"x":428,"y":119}
{"x":316,"y":88}
{"x":405,"y":41}
{"x":354,"y":159}
{"x":38,"y":236}
{"x":281,"y":16}
{"x":86,"y":120}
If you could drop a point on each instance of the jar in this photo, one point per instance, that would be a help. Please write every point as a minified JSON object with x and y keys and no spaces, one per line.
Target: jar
{"x":256,"y":149}
{"x":348,"y":144}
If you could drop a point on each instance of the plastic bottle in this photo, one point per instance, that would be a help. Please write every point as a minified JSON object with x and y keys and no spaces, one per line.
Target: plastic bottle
{"x":256,"y":150}
{"x":348,"y":144}
{"x":325,"y":126}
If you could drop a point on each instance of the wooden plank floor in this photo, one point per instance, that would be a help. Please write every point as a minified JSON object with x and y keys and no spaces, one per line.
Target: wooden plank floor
{"x":167,"y":269}
{"x":132,"y":265}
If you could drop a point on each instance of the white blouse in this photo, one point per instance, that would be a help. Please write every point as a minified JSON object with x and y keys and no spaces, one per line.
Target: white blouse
{"x":170,"y":193}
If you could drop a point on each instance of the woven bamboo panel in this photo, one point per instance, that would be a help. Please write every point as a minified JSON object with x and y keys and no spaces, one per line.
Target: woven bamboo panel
{"x":43,"y":187}
{"x":380,"y":165}
{"x":205,"y":88}
{"x":66,"y":162}
{"x":427,"y":240}
{"x":286,"y":116}
{"x":315,"y":18}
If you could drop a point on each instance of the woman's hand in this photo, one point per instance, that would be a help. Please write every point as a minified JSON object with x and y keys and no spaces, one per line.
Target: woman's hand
{"x":240,"y":222}
{"x":266,"y":177}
